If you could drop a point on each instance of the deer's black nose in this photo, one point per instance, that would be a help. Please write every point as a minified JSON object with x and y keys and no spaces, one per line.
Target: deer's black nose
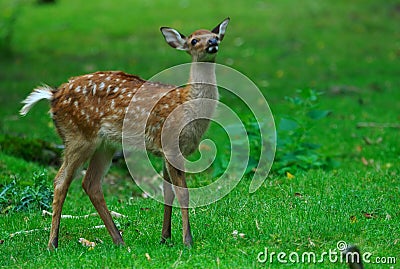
{"x":213,"y":42}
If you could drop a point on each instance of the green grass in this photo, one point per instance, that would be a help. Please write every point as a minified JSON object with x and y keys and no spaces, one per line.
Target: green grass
{"x":282,"y":46}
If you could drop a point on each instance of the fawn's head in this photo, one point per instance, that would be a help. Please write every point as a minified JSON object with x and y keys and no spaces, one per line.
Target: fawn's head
{"x":202,"y":45}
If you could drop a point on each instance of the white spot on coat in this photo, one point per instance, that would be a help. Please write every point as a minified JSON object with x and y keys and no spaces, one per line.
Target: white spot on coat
{"x":102,"y":85}
{"x":94,"y":89}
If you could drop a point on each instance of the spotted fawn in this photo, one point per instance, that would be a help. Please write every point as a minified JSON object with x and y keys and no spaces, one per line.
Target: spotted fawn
{"x":89,"y":111}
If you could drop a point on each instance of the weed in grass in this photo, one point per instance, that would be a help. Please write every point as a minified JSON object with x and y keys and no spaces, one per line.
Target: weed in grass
{"x":295,"y":150}
{"x":26,"y":195}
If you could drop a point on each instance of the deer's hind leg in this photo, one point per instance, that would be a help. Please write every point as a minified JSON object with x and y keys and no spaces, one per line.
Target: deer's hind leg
{"x":76,"y":153}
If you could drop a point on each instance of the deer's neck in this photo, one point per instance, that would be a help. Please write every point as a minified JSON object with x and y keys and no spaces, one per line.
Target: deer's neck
{"x":202,"y":88}
{"x":203,"y":82}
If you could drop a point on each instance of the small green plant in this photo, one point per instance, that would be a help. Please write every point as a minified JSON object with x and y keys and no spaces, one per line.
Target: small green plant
{"x":295,"y":150}
{"x":26,"y":195}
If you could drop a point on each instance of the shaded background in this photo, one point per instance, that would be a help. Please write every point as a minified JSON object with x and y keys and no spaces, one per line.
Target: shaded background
{"x":349,"y":47}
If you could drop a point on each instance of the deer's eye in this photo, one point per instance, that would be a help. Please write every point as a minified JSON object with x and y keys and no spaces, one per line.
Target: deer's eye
{"x":194,"y":41}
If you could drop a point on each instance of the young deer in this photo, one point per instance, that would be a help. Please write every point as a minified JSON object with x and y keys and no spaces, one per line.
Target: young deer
{"x":88,"y":112}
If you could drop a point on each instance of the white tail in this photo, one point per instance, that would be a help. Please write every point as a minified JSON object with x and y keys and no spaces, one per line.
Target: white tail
{"x":89,"y":111}
{"x":44,"y":92}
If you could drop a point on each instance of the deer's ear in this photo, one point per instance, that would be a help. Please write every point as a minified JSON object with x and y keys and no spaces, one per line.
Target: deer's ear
{"x":221,"y":28}
{"x":174,"y":38}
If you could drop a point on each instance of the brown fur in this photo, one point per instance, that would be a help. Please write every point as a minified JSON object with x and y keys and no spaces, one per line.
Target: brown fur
{"x":85,"y":103}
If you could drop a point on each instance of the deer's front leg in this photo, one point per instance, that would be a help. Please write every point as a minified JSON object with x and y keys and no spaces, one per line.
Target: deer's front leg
{"x":168,"y":200}
{"x":178,"y":179}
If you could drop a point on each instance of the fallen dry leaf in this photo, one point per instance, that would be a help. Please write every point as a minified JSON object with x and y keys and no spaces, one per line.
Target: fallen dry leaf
{"x":117,"y":215}
{"x":312,"y":244}
{"x":147,"y":256}
{"x":368,"y":140}
{"x":364,"y":161}
{"x":368,"y":215}
{"x":86,"y":243}
{"x":236,"y":233}
{"x":289,"y":175}
{"x":353,"y":219}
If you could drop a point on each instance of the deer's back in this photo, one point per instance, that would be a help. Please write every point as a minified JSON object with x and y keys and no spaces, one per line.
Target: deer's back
{"x":95,"y":105}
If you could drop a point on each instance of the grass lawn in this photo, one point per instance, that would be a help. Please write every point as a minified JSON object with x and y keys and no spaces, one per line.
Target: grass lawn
{"x":348,"y":50}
